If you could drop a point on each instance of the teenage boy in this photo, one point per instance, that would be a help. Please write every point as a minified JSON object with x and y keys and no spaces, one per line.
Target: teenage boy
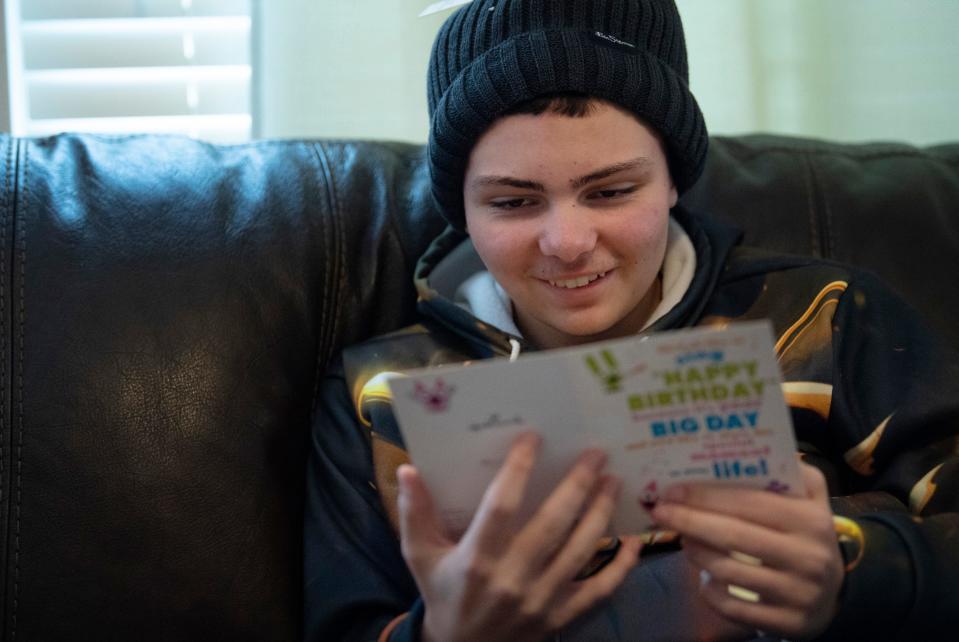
{"x":562,"y":134}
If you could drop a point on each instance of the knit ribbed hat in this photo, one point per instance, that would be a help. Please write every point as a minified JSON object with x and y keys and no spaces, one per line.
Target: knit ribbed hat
{"x":491,"y":55}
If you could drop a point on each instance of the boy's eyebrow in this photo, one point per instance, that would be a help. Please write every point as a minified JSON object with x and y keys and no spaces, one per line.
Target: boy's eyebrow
{"x":640,"y":162}
{"x":507,"y":181}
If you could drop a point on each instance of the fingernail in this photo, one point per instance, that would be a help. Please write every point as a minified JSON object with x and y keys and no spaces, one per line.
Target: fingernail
{"x":594,"y":459}
{"x":675,"y":494}
{"x":402,"y":476}
{"x":635,"y":545}
{"x":530,"y":440}
{"x":612,"y":485}
{"x":704,"y":577}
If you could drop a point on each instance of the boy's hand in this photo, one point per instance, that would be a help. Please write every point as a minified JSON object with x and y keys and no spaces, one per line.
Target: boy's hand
{"x":781,"y":549}
{"x":504,"y":580}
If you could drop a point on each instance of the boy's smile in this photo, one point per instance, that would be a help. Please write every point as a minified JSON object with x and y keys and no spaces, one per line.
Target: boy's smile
{"x":570,"y":215}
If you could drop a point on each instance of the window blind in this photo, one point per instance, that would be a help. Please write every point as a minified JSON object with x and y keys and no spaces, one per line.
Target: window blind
{"x":122,"y":66}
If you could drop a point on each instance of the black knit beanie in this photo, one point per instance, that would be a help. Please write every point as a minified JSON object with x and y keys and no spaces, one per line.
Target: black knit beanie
{"x":491,"y":55}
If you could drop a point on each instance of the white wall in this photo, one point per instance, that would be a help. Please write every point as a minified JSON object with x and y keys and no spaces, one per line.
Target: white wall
{"x":4,"y":74}
{"x":837,"y":69}
{"x":343,"y":68}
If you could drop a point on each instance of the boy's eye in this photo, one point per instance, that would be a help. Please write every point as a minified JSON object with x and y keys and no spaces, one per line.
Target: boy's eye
{"x":612,"y":192}
{"x":511,"y":203}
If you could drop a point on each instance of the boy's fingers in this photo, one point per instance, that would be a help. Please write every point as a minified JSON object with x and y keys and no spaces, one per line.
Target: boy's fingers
{"x":778,"y":512}
{"x":584,"y":595}
{"x":814,"y":481}
{"x":491,"y":529}
{"x":755,"y":614}
{"x":726,"y":533}
{"x":773,"y":586}
{"x":578,"y":548}
{"x":421,"y":533}
{"x":549,"y":529}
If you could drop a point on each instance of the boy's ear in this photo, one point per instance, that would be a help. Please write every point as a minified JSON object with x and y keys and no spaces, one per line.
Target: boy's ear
{"x":673,"y":195}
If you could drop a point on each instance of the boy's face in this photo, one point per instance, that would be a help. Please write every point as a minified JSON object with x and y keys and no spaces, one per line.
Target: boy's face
{"x":570,"y":216}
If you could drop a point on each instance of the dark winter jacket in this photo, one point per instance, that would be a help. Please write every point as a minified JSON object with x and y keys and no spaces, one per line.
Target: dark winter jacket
{"x":875,"y":404}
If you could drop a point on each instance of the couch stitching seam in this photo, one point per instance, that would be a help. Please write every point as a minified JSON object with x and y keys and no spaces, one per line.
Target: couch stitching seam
{"x":324,"y":166}
{"x":19,"y":227}
{"x":8,"y":190}
{"x":810,"y":206}
{"x":827,"y":237}
{"x":338,"y":279}
{"x":905,"y":152}
{"x":340,"y":228}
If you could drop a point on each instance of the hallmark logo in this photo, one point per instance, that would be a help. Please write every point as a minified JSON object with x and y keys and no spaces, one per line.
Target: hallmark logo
{"x":495,"y":421}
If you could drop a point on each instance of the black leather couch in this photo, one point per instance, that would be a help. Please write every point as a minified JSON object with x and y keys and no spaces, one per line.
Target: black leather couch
{"x":167,"y":306}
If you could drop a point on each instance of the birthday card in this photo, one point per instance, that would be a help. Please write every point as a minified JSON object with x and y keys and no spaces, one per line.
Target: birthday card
{"x":696,"y":405}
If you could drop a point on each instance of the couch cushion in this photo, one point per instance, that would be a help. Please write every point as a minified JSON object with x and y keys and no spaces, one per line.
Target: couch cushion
{"x":166,"y":306}
{"x":890,"y":208}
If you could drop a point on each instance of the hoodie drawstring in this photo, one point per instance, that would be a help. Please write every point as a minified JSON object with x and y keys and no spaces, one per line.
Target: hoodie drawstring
{"x":514,"y":350}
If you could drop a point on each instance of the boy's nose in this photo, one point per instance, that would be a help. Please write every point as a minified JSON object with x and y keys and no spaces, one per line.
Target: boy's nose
{"x":567,"y":233}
